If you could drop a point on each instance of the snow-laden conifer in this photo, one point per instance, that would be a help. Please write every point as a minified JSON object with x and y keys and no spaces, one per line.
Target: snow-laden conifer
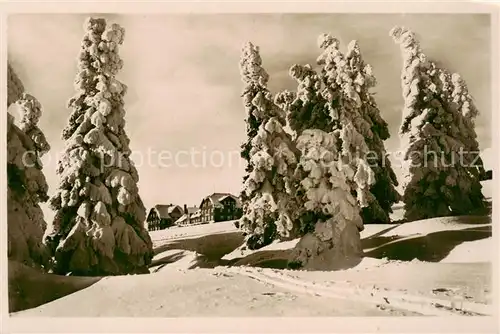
{"x":328,"y":177}
{"x":15,"y":87}
{"x":268,"y":193}
{"x":351,"y":106}
{"x":441,"y":168}
{"x":330,"y":219}
{"x":27,"y":186}
{"x":384,"y":187}
{"x":98,"y":227}
{"x":255,"y":79}
{"x":308,"y":109}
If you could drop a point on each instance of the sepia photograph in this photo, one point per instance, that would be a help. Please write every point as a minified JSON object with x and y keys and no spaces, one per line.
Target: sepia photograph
{"x":281,"y":164}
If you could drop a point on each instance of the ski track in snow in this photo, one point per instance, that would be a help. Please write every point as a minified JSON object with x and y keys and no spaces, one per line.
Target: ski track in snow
{"x":383,"y":299}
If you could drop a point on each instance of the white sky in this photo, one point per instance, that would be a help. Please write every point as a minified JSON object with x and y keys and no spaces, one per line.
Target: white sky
{"x":184,"y":84}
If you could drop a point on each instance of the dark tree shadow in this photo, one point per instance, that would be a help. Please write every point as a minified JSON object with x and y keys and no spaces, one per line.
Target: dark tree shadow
{"x":382,"y":232}
{"x":276,"y":259}
{"x":29,"y":288}
{"x":213,"y":246}
{"x":167,"y":259}
{"x":273,"y":264}
{"x":432,"y":247}
{"x":377,"y":239}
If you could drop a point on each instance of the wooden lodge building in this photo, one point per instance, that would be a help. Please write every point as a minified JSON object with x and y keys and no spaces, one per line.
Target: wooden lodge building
{"x":219,"y":207}
{"x":163,"y":216}
{"x":187,"y":217}
{"x":216,"y":207}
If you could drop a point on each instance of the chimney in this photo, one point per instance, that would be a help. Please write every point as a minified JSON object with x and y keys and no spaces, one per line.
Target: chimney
{"x":185,"y":209}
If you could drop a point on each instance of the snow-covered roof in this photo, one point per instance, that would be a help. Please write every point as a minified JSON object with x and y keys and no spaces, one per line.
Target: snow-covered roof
{"x":182,"y":219}
{"x":172,"y":208}
{"x":215,"y":199}
{"x":165,"y":210}
{"x":192,"y":209}
{"x":224,"y":197}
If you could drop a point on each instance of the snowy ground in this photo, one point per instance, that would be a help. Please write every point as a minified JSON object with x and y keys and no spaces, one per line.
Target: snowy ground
{"x":431,"y":267}
{"x":266,"y":292}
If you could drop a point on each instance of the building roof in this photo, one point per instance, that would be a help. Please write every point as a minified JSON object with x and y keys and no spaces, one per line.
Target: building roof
{"x":215,"y":198}
{"x":165,"y":210}
{"x":181,"y":219}
{"x":173,"y":207}
{"x":192,"y":209}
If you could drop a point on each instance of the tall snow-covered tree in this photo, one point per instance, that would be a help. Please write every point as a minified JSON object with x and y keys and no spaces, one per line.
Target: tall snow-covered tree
{"x":255,"y":78}
{"x":330,"y":219}
{"x":347,"y":81}
{"x":27,"y":186}
{"x":268,"y":206}
{"x":442,"y":172}
{"x":327,"y":213}
{"x":384,"y":188}
{"x":462,"y":99}
{"x":98,"y":228}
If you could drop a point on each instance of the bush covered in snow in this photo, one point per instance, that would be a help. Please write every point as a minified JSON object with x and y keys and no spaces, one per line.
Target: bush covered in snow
{"x":442,"y":169}
{"x":98,"y":227}
{"x":27,"y":186}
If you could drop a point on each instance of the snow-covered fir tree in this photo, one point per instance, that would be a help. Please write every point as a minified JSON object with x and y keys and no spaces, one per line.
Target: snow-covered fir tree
{"x":255,"y":78}
{"x":268,"y":193}
{"x":347,"y":81}
{"x":98,"y":228}
{"x":462,"y":99}
{"x":440,"y":146}
{"x":330,"y":219}
{"x":327,"y":213}
{"x":308,"y":109}
{"x":384,"y":188}
{"x":27,"y":186}
{"x":15,"y":87}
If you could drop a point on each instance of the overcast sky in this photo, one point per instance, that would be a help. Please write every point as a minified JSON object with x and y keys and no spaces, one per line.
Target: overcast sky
{"x":184,"y":84}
